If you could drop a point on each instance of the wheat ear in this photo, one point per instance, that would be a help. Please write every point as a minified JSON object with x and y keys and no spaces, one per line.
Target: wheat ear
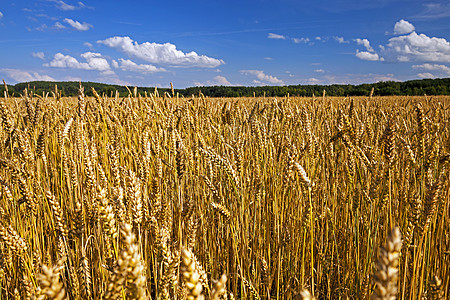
{"x":386,"y":275}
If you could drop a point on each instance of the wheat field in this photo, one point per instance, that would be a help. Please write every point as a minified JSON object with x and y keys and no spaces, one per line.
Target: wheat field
{"x":162,"y":197}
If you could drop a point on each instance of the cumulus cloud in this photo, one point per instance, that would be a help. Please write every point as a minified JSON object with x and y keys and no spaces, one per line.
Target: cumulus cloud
{"x":216,"y":81}
{"x":221,"y":80}
{"x":67,"y":7}
{"x":39,"y":55}
{"x":313,"y":80}
{"x":425,"y":75}
{"x":408,"y":47}
{"x":77,"y":25}
{"x":403,"y":27}
{"x":340,"y":40}
{"x":433,"y":67}
{"x":365,"y":43}
{"x":262,"y":77}
{"x":160,"y":53}
{"x":364,"y":55}
{"x":22,"y":76}
{"x":319,"y":71}
{"x":417,"y":47}
{"x":94,"y":61}
{"x":276,"y":36}
{"x":128,"y":65}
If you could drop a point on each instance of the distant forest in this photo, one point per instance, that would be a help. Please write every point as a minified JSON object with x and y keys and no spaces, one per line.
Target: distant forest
{"x":385,"y":88}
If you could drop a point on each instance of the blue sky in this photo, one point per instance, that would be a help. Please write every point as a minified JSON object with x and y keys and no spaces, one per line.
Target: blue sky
{"x":206,"y":42}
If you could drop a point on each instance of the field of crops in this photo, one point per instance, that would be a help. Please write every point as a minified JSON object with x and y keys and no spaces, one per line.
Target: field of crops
{"x":161,"y":197}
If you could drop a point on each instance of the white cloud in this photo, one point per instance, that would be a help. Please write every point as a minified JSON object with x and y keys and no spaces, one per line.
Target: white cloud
{"x":408,"y":47}
{"x":216,"y":81}
{"x":364,"y":55}
{"x":340,"y":40}
{"x":403,"y":27}
{"x":39,"y":55}
{"x":128,"y":65}
{"x":94,"y":61}
{"x":262,"y":77}
{"x":77,"y":25}
{"x":433,"y":67}
{"x":417,"y":47}
{"x":66,"y":61}
{"x":318,"y":38}
{"x":89,"y":45}
{"x":289,"y":74}
{"x":365,"y":43}
{"x":221,"y":80}
{"x":114,"y":64}
{"x":313,"y":81}
{"x":276,"y":36}
{"x":319,"y":71}
{"x":108,"y":72}
{"x":425,"y":75}
{"x":22,"y":76}
{"x":64,"y":6}
{"x":300,"y":40}
{"x":1,"y":15}
{"x":268,"y":58}
{"x":160,"y":53}
{"x":59,"y":26}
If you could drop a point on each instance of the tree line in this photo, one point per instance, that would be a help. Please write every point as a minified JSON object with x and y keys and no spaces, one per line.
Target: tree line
{"x":384,"y":88}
